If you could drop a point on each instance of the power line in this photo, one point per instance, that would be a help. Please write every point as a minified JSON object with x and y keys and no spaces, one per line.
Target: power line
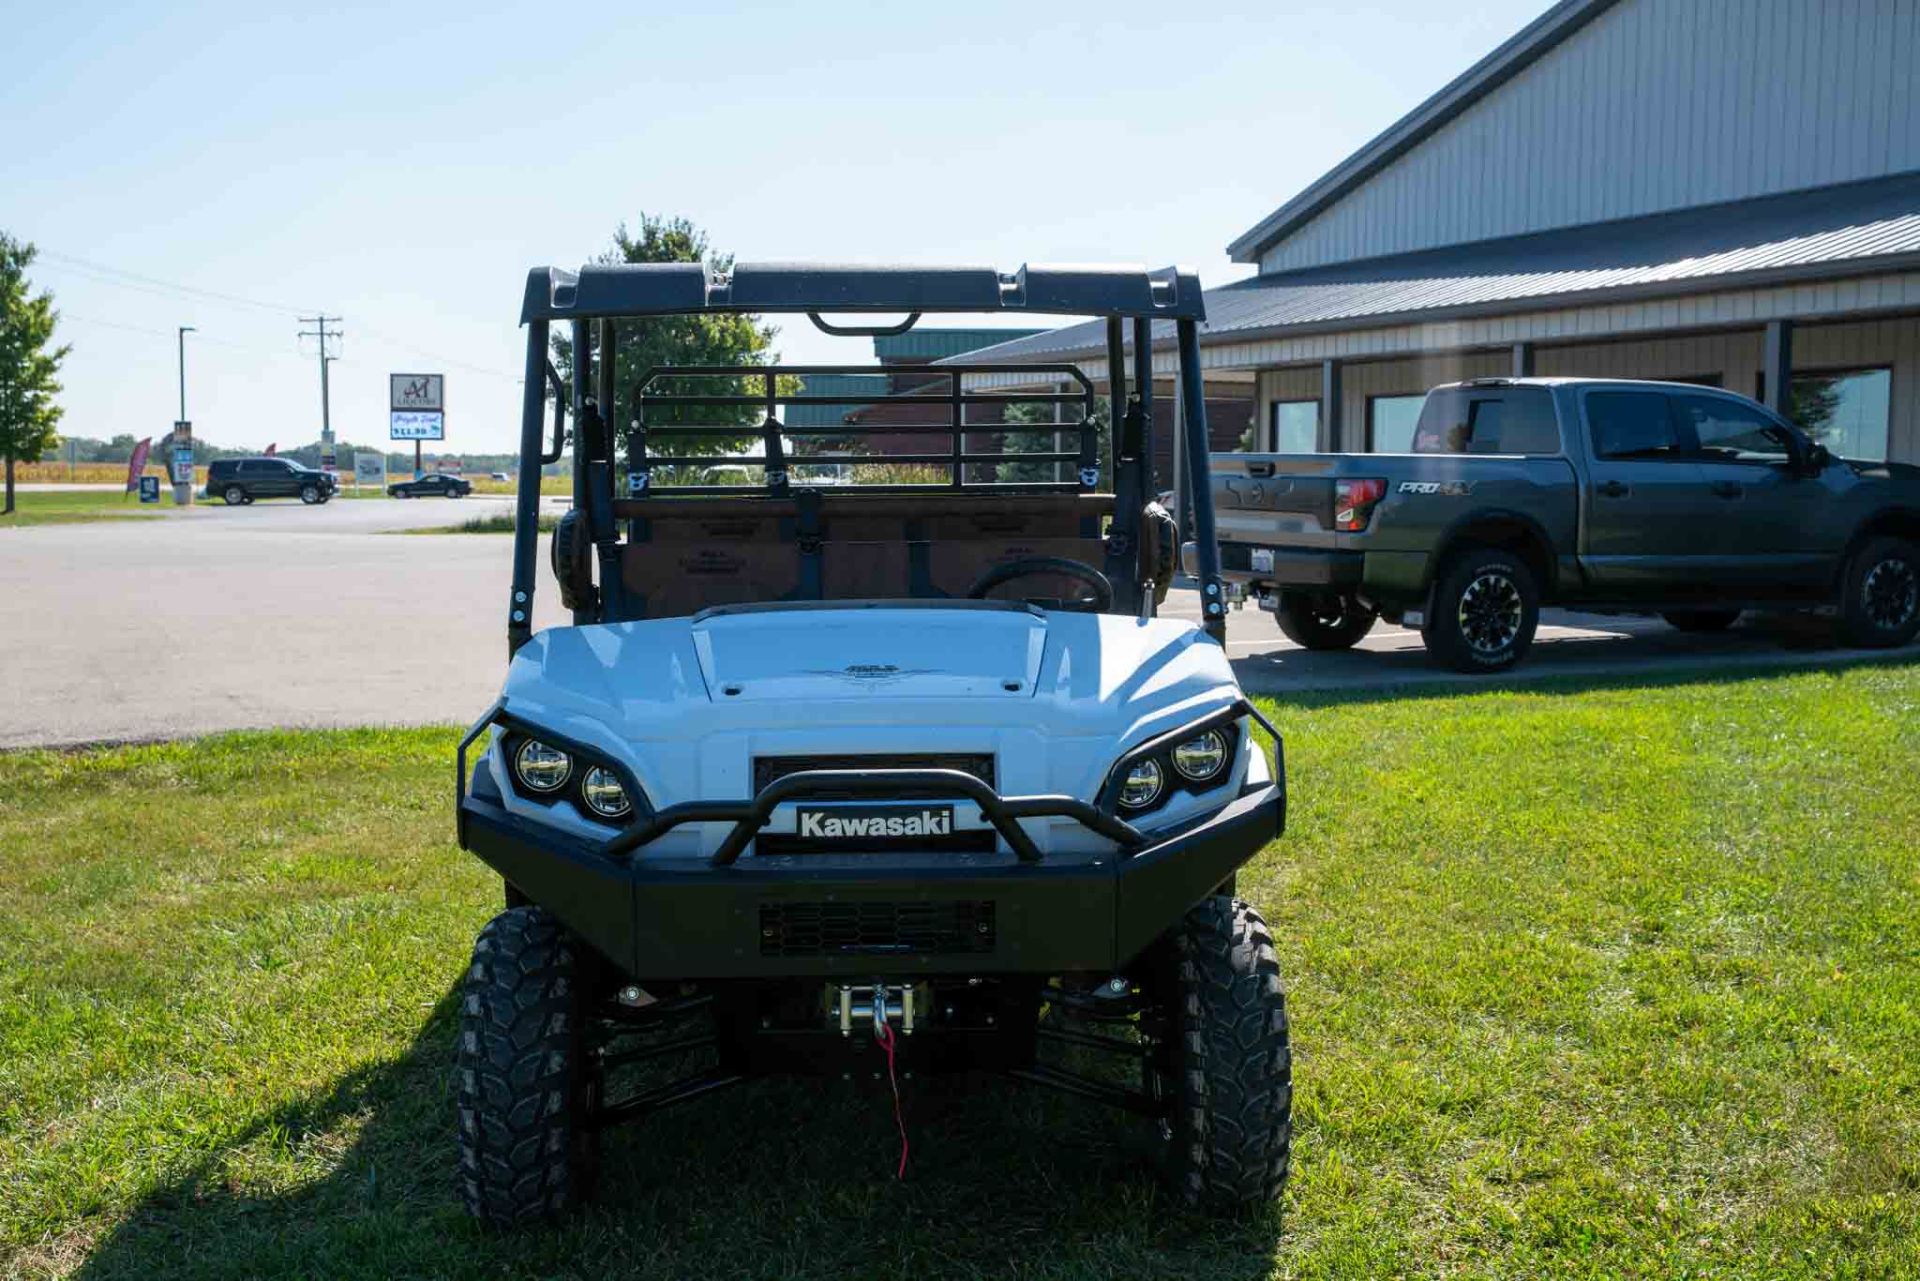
{"x":424,"y":354}
{"x":153,"y":284}
{"x":201,"y":337}
{"x":142,"y":283}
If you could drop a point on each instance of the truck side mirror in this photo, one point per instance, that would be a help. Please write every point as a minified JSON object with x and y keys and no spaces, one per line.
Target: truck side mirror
{"x":1819,"y":458}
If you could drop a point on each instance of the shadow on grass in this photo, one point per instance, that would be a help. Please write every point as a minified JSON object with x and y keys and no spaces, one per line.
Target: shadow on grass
{"x":1399,"y":681}
{"x":786,"y":1178}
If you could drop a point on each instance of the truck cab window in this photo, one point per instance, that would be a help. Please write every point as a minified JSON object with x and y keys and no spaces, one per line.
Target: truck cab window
{"x":1632,"y":424}
{"x":1515,"y":420}
{"x":1729,"y":432}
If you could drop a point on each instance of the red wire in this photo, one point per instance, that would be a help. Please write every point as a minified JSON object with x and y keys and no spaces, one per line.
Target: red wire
{"x":883,"y":1033}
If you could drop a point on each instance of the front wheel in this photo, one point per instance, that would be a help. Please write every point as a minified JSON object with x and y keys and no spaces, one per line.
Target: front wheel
{"x":1225,"y":1062}
{"x":1324,"y":620}
{"x":1486,"y":607}
{"x":309,"y":494}
{"x":525,"y":1085}
{"x":1881,"y":605}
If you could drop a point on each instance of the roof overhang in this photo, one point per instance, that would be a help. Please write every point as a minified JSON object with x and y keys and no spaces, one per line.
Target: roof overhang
{"x":1828,"y":233}
{"x":1675,"y":289}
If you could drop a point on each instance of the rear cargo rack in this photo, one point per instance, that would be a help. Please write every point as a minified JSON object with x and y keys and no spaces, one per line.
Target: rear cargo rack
{"x":941,"y":388}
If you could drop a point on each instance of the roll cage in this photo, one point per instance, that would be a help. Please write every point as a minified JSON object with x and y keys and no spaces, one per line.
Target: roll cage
{"x":617,"y":430}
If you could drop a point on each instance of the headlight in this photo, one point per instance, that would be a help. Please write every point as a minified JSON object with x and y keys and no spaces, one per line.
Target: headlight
{"x":1201,"y":757}
{"x":604,"y":795}
{"x":1143,"y":785}
{"x":541,"y":768}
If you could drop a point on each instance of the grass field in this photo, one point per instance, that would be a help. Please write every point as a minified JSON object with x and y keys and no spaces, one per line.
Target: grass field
{"x":1613,"y":981}
{"x":497,"y":523}
{"x":89,"y":473}
{"x":69,"y":506}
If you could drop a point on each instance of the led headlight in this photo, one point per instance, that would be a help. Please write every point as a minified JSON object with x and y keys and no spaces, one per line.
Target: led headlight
{"x":604,"y":795}
{"x":1201,"y":757}
{"x":541,"y":768}
{"x":1142,"y":788}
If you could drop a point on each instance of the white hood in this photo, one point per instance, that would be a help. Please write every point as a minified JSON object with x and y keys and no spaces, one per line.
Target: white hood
{"x":838,"y":653}
{"x":1054,"y":697}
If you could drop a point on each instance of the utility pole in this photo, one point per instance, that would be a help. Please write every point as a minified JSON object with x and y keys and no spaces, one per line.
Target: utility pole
{"x":180,"y":462}
{"x":321,"y":332}
{"x":184,"y":331}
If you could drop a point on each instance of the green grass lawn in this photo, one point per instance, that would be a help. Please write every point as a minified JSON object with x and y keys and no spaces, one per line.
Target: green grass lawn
{"x":70,"y":506}
{"x":1615,"y":981}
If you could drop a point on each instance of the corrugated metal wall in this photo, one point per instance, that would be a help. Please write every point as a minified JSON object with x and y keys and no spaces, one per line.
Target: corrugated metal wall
{"x":1655,"y":105}
{"x":1735,"y":357}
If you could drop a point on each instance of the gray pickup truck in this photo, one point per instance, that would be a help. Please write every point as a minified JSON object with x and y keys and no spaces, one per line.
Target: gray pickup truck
{"x":1606,"y":496}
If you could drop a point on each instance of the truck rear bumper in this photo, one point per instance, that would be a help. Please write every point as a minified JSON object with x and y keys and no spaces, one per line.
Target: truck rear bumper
{"x":679,"y":921}
{"x":1285,"y":566}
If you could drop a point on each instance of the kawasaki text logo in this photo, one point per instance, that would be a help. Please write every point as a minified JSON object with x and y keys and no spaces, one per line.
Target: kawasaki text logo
{"x":850,"y":822}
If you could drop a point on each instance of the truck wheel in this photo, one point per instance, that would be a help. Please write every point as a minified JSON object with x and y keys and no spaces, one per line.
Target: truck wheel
{"x":1701,"y":620}
{"x":1881,"y":605}
{"x":1323,"y":620}
{"x":525,"y":1088}
{"x":1227,"y":1061}
{"x":1485,"y":609}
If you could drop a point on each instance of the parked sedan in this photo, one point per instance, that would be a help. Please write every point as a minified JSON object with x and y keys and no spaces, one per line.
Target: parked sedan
{"x":437,"y":485}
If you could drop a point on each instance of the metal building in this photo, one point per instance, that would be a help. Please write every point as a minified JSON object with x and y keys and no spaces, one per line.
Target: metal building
{"x":1720,"y":191}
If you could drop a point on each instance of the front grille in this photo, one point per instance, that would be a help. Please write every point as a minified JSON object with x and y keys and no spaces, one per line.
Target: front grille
{"x":940,"y":928}
{"x":766,"y":769}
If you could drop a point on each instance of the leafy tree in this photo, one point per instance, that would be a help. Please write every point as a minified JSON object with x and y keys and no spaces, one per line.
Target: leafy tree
{"x":28,"y":363}
{"x":718,"y":339}
{"x":1063,"y":441}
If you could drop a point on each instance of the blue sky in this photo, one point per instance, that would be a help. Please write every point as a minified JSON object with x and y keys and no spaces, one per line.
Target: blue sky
{"x":402,"y":166}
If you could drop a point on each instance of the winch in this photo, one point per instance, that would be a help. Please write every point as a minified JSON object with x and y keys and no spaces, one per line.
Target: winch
{"x":858,"y":1003}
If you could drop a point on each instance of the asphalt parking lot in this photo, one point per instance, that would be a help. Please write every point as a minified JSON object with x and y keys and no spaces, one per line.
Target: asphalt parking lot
{"x":279,"y":615}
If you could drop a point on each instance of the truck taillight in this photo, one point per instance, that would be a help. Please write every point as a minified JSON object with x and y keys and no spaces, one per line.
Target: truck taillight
{"x":1354,"y":501}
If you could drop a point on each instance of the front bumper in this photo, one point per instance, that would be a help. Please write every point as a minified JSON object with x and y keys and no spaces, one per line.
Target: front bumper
{"x":697,"y":921}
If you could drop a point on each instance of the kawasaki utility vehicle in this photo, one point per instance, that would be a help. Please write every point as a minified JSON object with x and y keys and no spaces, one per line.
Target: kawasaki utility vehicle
{"x":865,"y":754}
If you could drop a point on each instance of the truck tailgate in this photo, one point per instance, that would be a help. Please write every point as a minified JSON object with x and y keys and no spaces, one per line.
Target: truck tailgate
{"x":1275,"y":497}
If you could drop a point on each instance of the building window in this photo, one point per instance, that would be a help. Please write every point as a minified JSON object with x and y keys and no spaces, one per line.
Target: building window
{"x":1294,"y":427}
{"x":1391,"y":421}
{"x":1845,"y":410}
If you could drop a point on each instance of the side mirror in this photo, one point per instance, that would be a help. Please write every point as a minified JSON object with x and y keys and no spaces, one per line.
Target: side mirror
{"x":1819,"y":458}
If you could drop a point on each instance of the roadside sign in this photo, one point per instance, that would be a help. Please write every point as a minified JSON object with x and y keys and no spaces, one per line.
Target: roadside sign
{"x":369,"y":468}
{"x":407,"y":424}
{"x":180,"y":468}
{"x":149,"y":489}
{"x":417,"y":392}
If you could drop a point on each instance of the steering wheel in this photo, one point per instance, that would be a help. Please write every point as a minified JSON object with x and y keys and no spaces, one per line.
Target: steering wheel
{"x":1027,"y":566}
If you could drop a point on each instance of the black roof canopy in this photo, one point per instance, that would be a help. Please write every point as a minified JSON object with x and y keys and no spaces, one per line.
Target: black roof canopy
{"x":659,"y":289}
